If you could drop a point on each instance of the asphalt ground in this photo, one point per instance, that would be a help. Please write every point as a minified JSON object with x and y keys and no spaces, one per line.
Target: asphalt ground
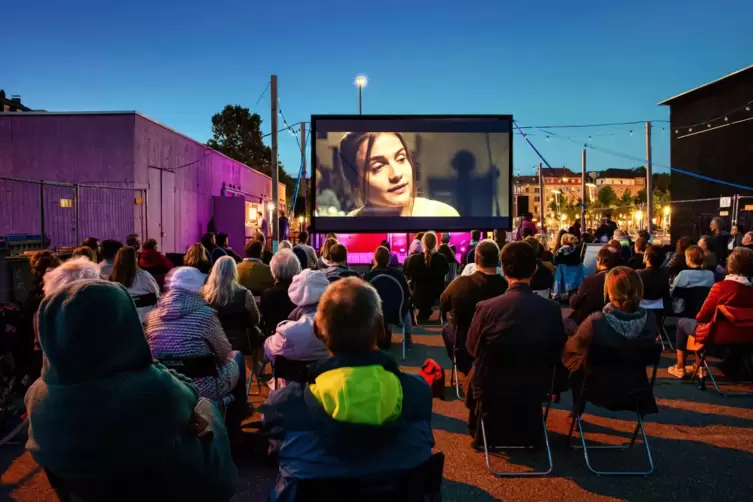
{"x":701,"y":442}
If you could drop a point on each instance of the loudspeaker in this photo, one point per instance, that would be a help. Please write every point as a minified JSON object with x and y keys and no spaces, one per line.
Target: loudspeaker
{"x":522,"y":202}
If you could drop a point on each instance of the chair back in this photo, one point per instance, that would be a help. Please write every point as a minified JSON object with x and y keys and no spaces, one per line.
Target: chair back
{"x":420,"y":484}
{"x":191,"y":366}
{"x":303,"y":258}
{"x":452,"y":273}
{"x":289,"y":370}
{"x":391,"y":293}
{"x":147,"y":300}
{"x":694,"y":299}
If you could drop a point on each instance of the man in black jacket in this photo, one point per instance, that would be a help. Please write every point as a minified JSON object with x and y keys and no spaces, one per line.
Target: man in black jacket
{"x":590,"y":295}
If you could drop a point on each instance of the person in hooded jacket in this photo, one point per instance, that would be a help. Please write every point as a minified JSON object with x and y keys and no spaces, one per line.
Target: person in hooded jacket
{"x":622,"y":323}
{"x":184,"y":324}
{"x":114,"y":421}
{"x":294,"y":339}
{"x":569,"y":254}
{"x":360,"y":416}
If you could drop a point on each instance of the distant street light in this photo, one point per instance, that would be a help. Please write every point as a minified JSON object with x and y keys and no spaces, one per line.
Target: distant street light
{"x":361,"y":82}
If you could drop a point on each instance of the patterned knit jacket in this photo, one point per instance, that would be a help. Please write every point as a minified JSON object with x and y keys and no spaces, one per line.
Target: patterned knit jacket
{"x":183,"y":324}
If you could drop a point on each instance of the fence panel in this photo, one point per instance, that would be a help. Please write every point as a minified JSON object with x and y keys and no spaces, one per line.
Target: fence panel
{"x":20,"y":211}
{"x":691,"y":218}
{"x":110,"y":213}
{"x":745,"y":216}
{"x":60,"y":216}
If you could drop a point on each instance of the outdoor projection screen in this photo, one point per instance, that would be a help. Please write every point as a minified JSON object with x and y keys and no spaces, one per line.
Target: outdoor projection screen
{"x":398,"y":173}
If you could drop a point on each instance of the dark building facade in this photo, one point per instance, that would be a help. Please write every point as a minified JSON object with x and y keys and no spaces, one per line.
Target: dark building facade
{"x":712,"y":135}
{"x":12,"y":104}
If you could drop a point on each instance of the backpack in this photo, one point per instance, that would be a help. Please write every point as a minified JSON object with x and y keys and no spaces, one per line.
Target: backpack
{"x":433,"y":373}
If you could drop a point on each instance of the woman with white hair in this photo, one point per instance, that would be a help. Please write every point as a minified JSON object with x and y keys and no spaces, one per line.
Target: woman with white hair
{"x":235,"y":305}
{"x":275,"y":303}
{"x":183,"y":324}
{"x":75,"y":269}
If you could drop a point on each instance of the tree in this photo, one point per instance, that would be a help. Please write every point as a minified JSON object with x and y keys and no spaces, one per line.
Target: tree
{"x":640,"y":197}
{"x":236,"y":132}
{"x":627,"y":199}
{"x":606,"y":196}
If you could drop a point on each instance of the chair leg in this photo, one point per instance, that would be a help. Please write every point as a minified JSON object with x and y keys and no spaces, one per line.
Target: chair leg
{"x":405,"y":341}
{"x":455,"y":376}
{"x":664,"y":334}
{"x":585,"y":447}
{"x":253,"y":372}
{"x":724,"y":394}
{"x":517,"y":474}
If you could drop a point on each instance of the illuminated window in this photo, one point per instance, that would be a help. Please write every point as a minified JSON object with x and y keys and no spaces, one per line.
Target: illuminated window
{"x":66,"y":203}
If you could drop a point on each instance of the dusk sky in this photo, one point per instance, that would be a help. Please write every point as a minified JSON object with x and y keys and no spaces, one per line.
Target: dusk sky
{"x":545,"y":62}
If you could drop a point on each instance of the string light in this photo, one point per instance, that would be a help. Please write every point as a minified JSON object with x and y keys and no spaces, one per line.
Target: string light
{"x":631,"y":132}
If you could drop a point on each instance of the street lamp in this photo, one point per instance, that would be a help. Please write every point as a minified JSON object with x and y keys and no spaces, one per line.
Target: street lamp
{"x":361,"y":82}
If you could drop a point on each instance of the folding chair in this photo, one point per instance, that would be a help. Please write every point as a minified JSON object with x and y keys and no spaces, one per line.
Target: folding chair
{"x":657,"y":307}
{"x":289,"y":370}
{"x":454,"y":379}
{"x":199,"y":367}
{"x":237,"y":322}
{"x":702,"y":362}
{"x":608,"y":365}
{"x":518,"y":373}
{"x":393,"y":300}
{"x":420,"y":484}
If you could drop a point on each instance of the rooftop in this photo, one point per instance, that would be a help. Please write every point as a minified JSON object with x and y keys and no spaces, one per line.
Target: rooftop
{"x":708,"y":84}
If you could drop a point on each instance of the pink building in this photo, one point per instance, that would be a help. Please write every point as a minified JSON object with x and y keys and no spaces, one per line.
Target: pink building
{"x":122,"y":173}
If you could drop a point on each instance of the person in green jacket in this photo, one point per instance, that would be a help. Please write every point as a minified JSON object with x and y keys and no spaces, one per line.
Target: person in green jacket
{"x":105,"y":414}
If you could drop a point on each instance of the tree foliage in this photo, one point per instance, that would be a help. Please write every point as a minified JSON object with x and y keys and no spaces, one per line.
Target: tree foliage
{"x":607,"y":197}
{"x":627,"y":199}
{"x":236,"y":132}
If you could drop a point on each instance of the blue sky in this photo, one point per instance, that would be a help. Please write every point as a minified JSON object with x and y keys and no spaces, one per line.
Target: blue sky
{"x":545,"y":62}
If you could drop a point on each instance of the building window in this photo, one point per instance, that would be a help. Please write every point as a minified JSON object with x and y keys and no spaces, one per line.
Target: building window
{"x":536,"y":190}
{"x":536,"y":199}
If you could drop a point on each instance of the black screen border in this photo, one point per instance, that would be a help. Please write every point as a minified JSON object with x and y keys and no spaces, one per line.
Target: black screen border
{"x":343,"y":224}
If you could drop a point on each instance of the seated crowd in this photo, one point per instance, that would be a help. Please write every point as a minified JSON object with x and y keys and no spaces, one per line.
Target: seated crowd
{"x":244,"y":312}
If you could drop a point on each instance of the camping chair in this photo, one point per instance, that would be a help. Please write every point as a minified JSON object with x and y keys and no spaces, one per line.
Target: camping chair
{"x":703,"y":363}
{"x":657,"y":307}
{"x":610,"y":365}
{"x":517,"y":373}
{"x":199,"y":367}
{"x":248,"y":344}
{"x":147,"y":300}
{"x":289,"y":370}
{"x":693,"y":300}
{"x":393,"y":300}
{"x":454,"y":375}
{"x":420,"y":484}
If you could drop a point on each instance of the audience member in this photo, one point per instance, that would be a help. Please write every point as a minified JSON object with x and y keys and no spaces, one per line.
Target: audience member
{"x":710,"y":260}
{"x":85,"y":252}
{"x":445,"y":249}
{"x":736,"y":237}
{"x":324,"y":261}
{"x":197,"y":257}
{"x":543,"y":278}
{"x":470,"y":255}
{"x":138,"y":282}
{"x":253,"y":274}
{"x":625,"y":245}
{"x":294,"y":338}
{"x":235,"y":306}
{"x":275,"y":303}
{"x":655,"y":280}
{"x":519,"y":314}
{"x":694,"y":276}
{"x":734,"y":292}
{"x":558,"y":240}
{"x":183,"y":324}
{"x":133,"y":241}
{"x":748,"y":240}
{"x":677,"y":262}
{"x":526,"y":222}
{"x":394,"y":261}
{"x":104,"y":414}
{"x":338,"y":269}
{"x":74,"y":269}
{"x":209,"y":241}
{"x":568,"y":254}
{"x":285,"y":245}
{"x":266,"y":255}
{"x":590,"y":295}
{"x":416,"y":246}
{"x":636,"y":262}
{"x":222,"y":243}
{"x":303,"y":243}
{"x":155,"y":262}
{"x":26,"y":353}
{"x":606,"y":230}
{"x":546,"y":254}
{"x":427,"y":273}
{"x":359,"y":402}
{"x":93,"y":244}
{"x":575,"y":229}
{"x":461,"y":296}
{"x":382,"y":267}
{"x":719,"y":240}
{"x":623,"y":323}
{"x":109,"y":250}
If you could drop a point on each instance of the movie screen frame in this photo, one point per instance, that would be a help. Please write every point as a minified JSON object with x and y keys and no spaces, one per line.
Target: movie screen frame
{"x":418,"y":124}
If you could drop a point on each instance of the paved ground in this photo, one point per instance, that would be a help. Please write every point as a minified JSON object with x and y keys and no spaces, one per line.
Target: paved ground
{"x":702,"y":446}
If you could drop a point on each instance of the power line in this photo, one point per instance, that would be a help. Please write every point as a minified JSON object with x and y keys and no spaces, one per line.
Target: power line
{"x":263,"y":93}
{"x":574,"y":126}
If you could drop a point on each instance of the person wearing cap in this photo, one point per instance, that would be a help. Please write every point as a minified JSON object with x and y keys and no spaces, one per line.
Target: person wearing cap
{"x":294,"y":338}
{"x":104,"y":416}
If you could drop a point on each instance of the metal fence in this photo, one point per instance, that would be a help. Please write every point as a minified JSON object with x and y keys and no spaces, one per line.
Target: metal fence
{"x":62,"y":215}
{"x":692,"y":218}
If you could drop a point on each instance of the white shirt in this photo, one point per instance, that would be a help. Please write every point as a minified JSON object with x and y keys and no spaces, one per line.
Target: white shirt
{"x":470,"y":269}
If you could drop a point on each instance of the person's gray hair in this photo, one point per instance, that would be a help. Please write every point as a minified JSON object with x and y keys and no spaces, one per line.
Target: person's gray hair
{"x":349,"y":316}
{"x":74,"y":269}
{"x":285,"y":265}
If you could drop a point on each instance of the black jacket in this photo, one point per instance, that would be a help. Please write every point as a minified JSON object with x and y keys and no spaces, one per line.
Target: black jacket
{"x":589,"y":298}
{"x":427,"y":282}
{"x":656,"y":285}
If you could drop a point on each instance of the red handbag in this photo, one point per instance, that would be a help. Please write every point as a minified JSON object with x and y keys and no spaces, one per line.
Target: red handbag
{"x":433,"y":373}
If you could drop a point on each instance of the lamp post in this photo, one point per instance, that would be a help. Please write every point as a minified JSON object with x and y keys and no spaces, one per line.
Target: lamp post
{"x":361,"y":82}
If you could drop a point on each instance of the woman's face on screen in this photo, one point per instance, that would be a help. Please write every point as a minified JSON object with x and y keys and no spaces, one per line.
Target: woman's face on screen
{"x":388,"y":172}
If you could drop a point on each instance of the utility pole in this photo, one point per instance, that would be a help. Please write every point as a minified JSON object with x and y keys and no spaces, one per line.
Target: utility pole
{"x":583,"y":197}
{"x":542,"y":199}
{"x":275,"y":189}
{"x":303,"y":173}
{"x":649,"y":184}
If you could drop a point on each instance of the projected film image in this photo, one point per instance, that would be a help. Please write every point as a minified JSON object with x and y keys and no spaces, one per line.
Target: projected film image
{"x":385,"y":173}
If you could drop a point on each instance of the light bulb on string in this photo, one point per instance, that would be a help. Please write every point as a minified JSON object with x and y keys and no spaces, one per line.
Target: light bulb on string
{"x":726,"y":119}
{"x":631,"y":132}
{"x":747,"y":108}
{"x":547,"y":138}
{"x":677,"y":131}
{"x":708,"y":125}
{"x":690,"y":129}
